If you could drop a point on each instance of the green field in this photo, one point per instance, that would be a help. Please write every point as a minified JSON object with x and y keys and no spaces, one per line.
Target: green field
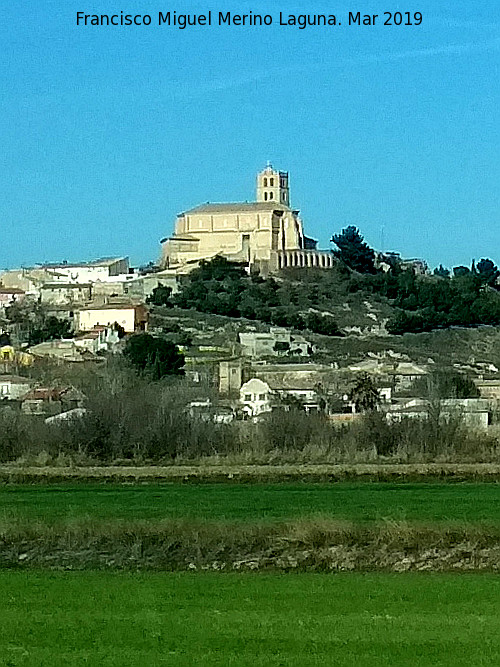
{"x":129,"y":620}
{"x":356,"y":502}
{"x":128,"y":617}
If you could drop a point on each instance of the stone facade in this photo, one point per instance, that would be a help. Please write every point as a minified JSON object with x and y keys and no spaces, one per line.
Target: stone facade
{"x":267,"y":234}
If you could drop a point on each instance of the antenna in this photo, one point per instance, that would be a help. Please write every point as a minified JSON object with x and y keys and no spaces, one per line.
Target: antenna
{"x":382,"y":238}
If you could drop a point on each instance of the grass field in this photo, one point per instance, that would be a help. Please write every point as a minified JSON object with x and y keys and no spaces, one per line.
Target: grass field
{"x":128,"y":620}
{"x":356,"y":502}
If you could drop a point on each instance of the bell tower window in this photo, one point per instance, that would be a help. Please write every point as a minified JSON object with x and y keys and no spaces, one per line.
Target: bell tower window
{"x":273,"y":185}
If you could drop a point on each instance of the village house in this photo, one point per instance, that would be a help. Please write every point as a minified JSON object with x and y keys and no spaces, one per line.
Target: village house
{"x":63,"y":351}
{"x":276,"y":342}
{"x":7,"y":353}
{"x":59,"y":293}
{"x":87,"y":272}
{"x":14,"y":387}
{"x":31,"y":280}
{"x":255,"y":397}
{"x":304,"y":390}
{"x":475,"y":412}
{"x":11,"y":357}
{"x":10,"y":295}
{"x":51,"y":401}
{"x":312,"y":384}
{"x":130,"y":317}
{"x":489,"y":388}
{"x":230,"y":376}
{"x":134,"y":286}
{"x":206,"y":411}
{"x":400,"y":375}
{"x":25,"y":280}
{"x":100,"y":339}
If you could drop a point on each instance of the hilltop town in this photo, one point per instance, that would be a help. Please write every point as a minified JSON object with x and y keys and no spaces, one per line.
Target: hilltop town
{"x":256,"y":323}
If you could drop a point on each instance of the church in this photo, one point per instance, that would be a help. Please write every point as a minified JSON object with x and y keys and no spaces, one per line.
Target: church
{"x":266,"y":234}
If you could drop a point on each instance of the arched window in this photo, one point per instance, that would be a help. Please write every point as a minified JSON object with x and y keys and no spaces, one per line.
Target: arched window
{"x":265,"y":196}
{"x":271,"y":182}
{"x":270,"y":195}
{"x":265,"y":182}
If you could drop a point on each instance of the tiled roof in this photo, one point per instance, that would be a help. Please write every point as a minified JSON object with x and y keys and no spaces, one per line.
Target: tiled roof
{"x":237,"y":207}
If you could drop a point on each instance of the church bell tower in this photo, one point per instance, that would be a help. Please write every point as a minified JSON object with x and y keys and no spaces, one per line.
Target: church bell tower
{"x":272,"y":186}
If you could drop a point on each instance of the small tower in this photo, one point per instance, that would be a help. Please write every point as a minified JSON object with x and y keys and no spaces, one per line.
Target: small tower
{"x":273,"y":186}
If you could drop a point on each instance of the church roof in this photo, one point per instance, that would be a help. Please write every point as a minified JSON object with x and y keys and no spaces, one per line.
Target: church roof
{"x":237,"y":207}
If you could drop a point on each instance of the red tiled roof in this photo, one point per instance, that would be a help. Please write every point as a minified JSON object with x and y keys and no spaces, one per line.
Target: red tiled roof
{"x":44,"y":394}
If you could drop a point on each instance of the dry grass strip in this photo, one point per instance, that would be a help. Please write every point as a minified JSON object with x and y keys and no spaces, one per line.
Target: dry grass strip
{"x":253,"y":473}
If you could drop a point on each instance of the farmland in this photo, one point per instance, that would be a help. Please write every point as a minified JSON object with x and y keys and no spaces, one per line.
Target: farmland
{"x":111,"y":620}
{"x":348,"y":501}
{"x":254,"y":574}
{"x":303,"y":527}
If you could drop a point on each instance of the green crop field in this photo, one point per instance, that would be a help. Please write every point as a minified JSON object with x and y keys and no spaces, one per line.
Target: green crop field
{"x":357,"y":502}
{"x":128,"y":620}
{"x":124,"y":609}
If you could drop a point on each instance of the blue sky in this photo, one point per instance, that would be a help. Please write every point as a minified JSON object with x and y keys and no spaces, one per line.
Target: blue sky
{"x":106,"y":133}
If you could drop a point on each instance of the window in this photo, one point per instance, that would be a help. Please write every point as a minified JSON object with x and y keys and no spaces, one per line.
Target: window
{"x":265,"y":182}
{"x":265,"y":196}
{"x":270,"y":195}
{"x":262,"y":397}
{"x":271,"y":182}
{"x":247,"y":397}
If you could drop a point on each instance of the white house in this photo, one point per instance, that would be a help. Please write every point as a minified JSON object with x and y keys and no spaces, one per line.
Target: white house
{"x":475,"y":412}
{"x":256,"y":397}
{"x":130,"y":317}
{"x":100,"y":339}
{"x":87,"y":272}
{"x":14,"y":387}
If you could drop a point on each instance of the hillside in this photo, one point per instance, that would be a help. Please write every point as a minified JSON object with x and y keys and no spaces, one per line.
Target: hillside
{"x":446,"y":347}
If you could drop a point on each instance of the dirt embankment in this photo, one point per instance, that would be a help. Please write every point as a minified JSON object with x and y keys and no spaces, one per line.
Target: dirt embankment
{"x":253,"y":473}
{"x":322,"y":546}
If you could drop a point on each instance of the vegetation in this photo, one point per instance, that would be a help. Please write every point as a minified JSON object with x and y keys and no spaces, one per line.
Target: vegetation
{"x":445,"y":384}
{"x":356,"y":502}
{"x":155,"y":356}
{"x":32,"y":324}
{"x":147,"y":423}
{"x":364,"y":394}
{"x":207,"y":619}
{"x":468,"y":297}
{"x":224,"y":288}
{"x":52,"y":328}
{"x":160,"y":296}
{"x":353,"y":251}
